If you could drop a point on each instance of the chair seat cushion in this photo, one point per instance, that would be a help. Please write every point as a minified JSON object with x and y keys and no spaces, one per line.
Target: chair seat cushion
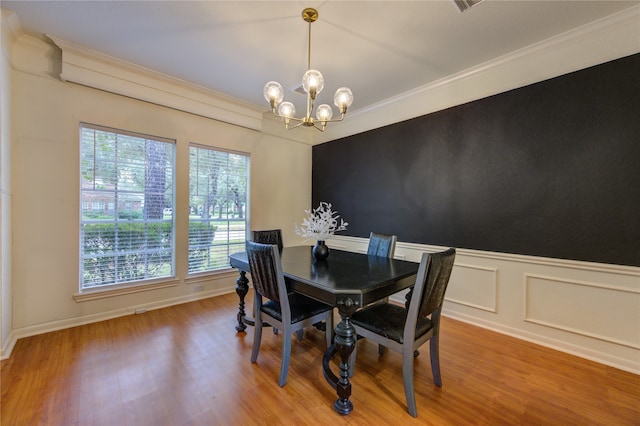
{"x":388,"y":320}
{"x":302,"y":307}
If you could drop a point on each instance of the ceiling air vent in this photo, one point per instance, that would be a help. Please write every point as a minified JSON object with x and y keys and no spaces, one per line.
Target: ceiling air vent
{"x":466,"y":4}
{"x":298,"y":89}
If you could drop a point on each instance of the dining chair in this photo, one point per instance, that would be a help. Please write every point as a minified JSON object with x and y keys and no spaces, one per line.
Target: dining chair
{"x":288,"y":312}
{"x":382,"y":245}
{"x":271,"y":236}
{"x":406,"y":329}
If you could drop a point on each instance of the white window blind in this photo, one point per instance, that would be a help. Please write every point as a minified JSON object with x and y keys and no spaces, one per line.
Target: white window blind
{"x":126,"y":197}
{"x":218,"y":185}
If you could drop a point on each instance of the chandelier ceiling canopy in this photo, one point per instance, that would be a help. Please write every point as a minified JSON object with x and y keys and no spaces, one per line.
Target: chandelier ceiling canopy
{"x":312,"y":83}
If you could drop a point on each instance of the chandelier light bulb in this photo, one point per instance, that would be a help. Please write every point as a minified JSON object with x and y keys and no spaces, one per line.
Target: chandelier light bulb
{"x":343,"y":99}
{"x":313,"y":82}
{"x":324,"y":112}
{"x":273,"y":93}
{"x":287,"y":110}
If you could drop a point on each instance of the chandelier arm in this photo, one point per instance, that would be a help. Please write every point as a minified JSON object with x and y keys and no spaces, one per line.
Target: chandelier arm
{"x":303,"y":119}
{"x":321,"y":128}
{"x":333,"y":120}
{"x":289,"y":118}
{"x":293,"y":127}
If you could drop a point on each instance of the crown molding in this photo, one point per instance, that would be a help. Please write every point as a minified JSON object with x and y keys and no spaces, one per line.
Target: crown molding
{"x":10,"y":30}
{"x":601,"y":41}
{"x":10,"y":24}
{"x":604,"y":40}
{"x":98,"y":70}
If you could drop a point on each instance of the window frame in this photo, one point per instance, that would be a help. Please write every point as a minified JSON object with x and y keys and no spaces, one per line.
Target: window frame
{"x":136,"y":283}
{"x":191,"y":274}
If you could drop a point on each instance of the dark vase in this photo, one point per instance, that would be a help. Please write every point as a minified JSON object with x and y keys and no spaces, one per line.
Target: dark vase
{"x":320,"y":250}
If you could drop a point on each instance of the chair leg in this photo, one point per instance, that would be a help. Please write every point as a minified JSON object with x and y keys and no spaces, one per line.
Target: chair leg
{"x":286,"y":354}
{"x":435,"y":360}
{"x":300,"y":334}
{"x":380,"y":350}
{"x":257,"y":337}
{"x":407,"y":378}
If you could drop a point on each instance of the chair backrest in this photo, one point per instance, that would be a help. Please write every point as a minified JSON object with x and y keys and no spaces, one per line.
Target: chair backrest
{"x":266,"y":271}
{"x":271,"y":236}
{"x":382,"y":245}
{"x":431,"y":284}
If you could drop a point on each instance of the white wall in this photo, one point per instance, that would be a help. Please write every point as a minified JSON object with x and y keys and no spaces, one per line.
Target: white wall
{"x":46,"y":113}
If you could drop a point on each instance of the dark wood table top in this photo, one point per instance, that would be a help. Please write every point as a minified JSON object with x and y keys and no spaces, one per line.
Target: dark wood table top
{"x":343,"y":278}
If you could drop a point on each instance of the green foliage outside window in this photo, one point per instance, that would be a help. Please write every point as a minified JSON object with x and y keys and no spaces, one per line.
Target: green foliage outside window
{"x":130,"y":251}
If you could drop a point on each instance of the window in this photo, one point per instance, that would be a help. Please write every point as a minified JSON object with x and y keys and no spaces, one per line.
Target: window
{"x":126,"y":187}
{"x":218,"y":187}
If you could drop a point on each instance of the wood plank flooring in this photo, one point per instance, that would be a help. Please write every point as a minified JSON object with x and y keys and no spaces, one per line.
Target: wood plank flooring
{"x":186,"y":365}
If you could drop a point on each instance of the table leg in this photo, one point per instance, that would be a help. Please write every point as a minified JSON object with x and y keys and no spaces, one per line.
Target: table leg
{"x":242,"y":288}
{"x":345,"y":341}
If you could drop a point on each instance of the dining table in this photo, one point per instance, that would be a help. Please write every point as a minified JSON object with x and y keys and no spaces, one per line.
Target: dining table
{"x":345,"y":280}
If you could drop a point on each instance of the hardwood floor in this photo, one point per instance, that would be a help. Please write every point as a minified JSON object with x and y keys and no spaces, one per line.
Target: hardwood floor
{"x":186,"y":365}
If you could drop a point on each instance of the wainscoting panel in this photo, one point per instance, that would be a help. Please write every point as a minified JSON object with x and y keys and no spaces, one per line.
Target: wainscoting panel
{"x":596,"y":310}
{"x":474,"y":286}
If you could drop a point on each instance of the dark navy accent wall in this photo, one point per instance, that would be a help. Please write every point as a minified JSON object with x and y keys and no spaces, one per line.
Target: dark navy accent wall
{"x":551,"y":169}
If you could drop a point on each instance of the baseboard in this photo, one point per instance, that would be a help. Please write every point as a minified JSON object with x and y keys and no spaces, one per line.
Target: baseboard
{"x":582,"y":352}
{"x":20,"y":333}
{"x":8,"y":346}
{"x":539,"y":339}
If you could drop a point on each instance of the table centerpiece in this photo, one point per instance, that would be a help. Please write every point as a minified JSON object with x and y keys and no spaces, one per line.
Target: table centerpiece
{"x":320,"y":224}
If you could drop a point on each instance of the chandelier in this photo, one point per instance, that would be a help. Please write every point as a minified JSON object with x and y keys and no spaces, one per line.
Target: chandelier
{"x":312,"y":83}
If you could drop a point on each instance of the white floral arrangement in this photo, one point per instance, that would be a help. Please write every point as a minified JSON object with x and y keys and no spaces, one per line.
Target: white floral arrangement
{"x":321,"y":223}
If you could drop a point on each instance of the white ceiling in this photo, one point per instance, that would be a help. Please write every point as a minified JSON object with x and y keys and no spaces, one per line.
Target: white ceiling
{"x":377,"y":48}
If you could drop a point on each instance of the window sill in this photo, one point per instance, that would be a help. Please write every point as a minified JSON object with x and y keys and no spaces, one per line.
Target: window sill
{"x":208,"y":276}
{"x":122,"y":290}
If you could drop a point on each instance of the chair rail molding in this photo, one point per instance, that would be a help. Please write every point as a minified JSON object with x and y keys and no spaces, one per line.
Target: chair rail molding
{"x":587,"y":309}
